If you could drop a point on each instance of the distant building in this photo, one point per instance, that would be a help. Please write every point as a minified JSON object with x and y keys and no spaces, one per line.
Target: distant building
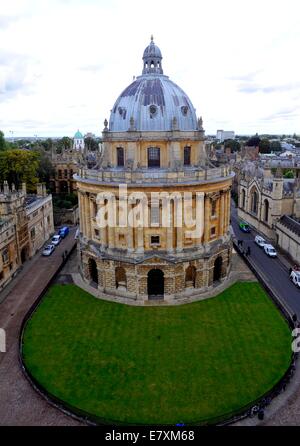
{"x":265,"y":197}
{"x":222,"y":135}
{"x":26,"y":223}
{"x":78,"y":143}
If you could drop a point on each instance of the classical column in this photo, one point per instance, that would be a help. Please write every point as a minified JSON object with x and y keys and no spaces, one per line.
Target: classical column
{"x":81,"y":212}
{"x":180,"y":222}
{"x":207,"y":218}
{"x":140,"y":239}
{"x":169,"y":229}
{"x":222,"y":213}
{"x":130,"y":233}
{"x":88,"y":216}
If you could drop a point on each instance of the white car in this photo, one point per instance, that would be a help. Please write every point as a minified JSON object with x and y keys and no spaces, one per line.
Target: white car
{"x":48,"y":250}
{"x":295,"y":278}
{"x":270,"y":250}
{"x":56,"y":239}
{"x":260,"y":241}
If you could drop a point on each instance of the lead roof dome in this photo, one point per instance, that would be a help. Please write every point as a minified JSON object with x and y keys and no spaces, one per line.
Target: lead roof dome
{"x":152,"y":102}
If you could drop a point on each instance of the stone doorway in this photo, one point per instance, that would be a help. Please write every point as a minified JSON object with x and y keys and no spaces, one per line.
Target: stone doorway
{"x":24,"y":254}
{"x":156,"y":284}
{"x":218,"y":268}
{"x":93,"y":272}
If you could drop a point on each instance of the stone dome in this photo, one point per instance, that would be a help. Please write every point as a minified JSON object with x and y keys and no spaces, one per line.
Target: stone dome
{"x":153,"y":102}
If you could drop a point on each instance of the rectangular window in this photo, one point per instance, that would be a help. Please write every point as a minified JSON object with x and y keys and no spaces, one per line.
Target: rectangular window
{"x":155,"y":240}
{"x":5,"y":256}
{"x":32,"y":233}
{"x":96,"y":233}
{"x":155,"y":213}
{"x":213,"y":232}
{"x":213,"y":207}
{"x":66,"y":173}
{"x":120,"y":157}
{"x":187,"y":156}
{"x":153,"y":157}
{"x":59,"y":174}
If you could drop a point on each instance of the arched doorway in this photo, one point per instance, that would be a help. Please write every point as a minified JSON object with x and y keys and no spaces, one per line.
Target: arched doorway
{"x":155,"y":284}
{"x":24,"y":254}
{"x":93,"y":271}
{"x":120,"y":274}
{"x":218,"y":268}
{"x":190,"y":277}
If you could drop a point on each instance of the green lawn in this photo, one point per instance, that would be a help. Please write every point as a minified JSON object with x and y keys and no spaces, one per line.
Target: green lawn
{"x":157,"y":364}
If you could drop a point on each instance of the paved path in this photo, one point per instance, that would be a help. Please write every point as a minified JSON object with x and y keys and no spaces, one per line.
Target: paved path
{"x":19,"y":403}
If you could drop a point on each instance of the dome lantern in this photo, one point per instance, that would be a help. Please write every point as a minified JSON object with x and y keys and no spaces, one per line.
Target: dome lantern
{"x":152,"y":59}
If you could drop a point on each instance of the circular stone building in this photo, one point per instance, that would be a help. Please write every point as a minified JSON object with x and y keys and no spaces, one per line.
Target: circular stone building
{"x":154,"y":212}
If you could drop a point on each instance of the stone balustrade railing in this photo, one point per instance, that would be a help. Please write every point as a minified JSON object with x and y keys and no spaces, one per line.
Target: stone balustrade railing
{"x":150,"y":176}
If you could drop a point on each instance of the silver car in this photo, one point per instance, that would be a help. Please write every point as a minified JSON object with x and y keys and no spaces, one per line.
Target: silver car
{"x":48,"y":250}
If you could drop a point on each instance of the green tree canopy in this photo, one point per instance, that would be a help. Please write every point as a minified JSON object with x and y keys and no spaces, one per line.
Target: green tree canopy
{"x":45,"y":168}
{"x":264,"y":146}
{"x":275,"y":146}
{"x":233,"y":144}
{"x":2,"y":141}
{"x":91,"y":143}
{"x":65,"y":143}
{"x":18,"y":166}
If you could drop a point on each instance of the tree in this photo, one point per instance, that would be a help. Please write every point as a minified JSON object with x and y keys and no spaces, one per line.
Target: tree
{"x":18,"y":166}
{"x":91,"y":144}
{"x":253,"y":141}
{"x":45,"y":169}
{"x":64,"y":143}
{"x":288,"y":174}
{"x":233,"y":144}
{"x":2,"y":141}
{"x":264,"y":146}
{"x":275,"y":146}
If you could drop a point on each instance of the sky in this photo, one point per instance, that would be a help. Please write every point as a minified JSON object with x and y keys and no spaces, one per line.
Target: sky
{"x":63,"y":63}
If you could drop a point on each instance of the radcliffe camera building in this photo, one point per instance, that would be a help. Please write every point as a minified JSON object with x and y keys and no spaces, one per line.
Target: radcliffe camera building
{"x":154,"y":142}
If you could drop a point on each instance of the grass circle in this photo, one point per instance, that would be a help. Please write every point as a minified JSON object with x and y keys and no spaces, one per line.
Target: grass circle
{"x":157,"y":365}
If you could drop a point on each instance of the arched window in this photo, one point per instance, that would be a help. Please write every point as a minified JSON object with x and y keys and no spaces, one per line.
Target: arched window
{"x":266,"y":210}
{"x":243,"y":200}
{"x":120,"y":274}
{"x":254,"y":201}
{"x":120,"y":157}
{"x":190,"y":276}
{"x":187,"y":156}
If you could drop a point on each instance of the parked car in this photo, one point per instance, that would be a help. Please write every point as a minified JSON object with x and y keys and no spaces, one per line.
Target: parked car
{"x":270,"y":250}
{"x":56,"y":239}
{"x":244,"y":226}
{"x":48,"y":250}
{"x":295,"y":278}
{"x":64,"y":231}
{"x":260,"y":241}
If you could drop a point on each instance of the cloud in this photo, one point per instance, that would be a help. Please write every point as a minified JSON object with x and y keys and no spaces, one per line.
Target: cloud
{"x":284,"y":113}
{"x":251,"y":87}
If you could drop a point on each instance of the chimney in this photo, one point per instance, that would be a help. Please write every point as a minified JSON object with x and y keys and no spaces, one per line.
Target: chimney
{"x":44,"y":190}
{"x":24,"y":188}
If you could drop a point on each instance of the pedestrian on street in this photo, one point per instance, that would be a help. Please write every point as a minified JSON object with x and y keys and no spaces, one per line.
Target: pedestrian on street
{"x":248,"y":252}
